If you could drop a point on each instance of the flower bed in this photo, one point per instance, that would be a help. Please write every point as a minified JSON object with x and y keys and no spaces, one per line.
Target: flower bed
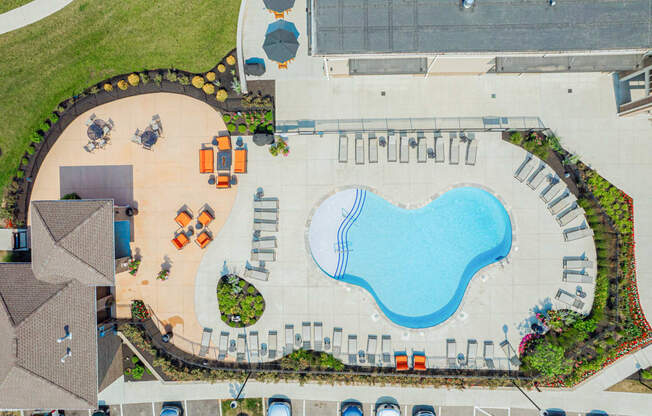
{"x":139,"y":311}
{"x":240,"y":303}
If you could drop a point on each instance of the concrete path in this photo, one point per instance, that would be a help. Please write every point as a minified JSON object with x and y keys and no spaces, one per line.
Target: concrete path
{"x":29,"y":13}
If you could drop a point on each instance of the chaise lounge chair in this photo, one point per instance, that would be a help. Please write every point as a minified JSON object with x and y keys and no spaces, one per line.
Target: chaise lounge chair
{"x":224,"y":346}
{"x":549,"y":192}
{"x":263,"y":255}
{"x":419,"y":361}
{"x":265,"y":226}
{"x":386,"y":349}
{"x":257,"y":273}
{"x":391,"y":148}
{"x":359,"y":149}
{"x":373,"y":149}
{"x":471,"y":353}
{"x":422,"y":149}
{"x":183,"y":218}
{"x":569,"y":214}
{"x":203,"y":239}
{"x":267,"y":203}
{"x":265,"y":242}
{"x":451,"y":353}
{"x":568,"y":299}
{"x":560,"y":203}
{"x":205,"y":341}
{"x":372,"y":342}
{"x":344,"y":149}
{"x":240,"y":161}
{"x":337,"y":342}
{"x":240,"y":349}
{"x":272,"y":344}
{"x":471,"y":152}
{"x":488,"y":355}
{"x":305,"y":335}
{"x":510,"y":353}
{"x":401,"y":360}
{"x":576,"y":233}
{"x":318,"y":336}
{"x":266,"y":215}
{"x":289,"y":339}
{"x":455,"y":151}
{"x":524,"y":169}
{"x":206,"y":160}
{"x":577,"y":263}
{"x":180,"y":241}
{"x":576,"y":276}
{"x":440,"y":154}
{"x":537,"y":177}
{"x":253,"y":345}
{"x":352,"y":350}
{"x":404,"y":153}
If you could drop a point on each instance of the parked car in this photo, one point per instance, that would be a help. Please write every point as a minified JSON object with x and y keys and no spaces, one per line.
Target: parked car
{"x":388,"y":409}
{"x":424,"y":412}
{"x":552,"y":412}
{"x":279,"y":408}
{"x":352,"y":409}
{"x":171,"y":410}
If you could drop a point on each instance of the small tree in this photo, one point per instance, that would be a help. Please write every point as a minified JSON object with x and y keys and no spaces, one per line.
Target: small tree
{"x":548,"y":360}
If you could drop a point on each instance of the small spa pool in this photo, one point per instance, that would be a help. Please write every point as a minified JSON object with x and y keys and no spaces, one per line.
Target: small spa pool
{"x":416,"y":263}
{"x":122,"y":236}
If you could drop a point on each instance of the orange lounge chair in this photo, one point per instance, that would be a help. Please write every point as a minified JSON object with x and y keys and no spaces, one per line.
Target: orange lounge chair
{"x":183,"y":219}
{"x":206,"y":161}
{"x":401,"y":362}
{"x":240,"y":161}
{"x":223,"y":181}
{"x":203,"y":239}
{"x":419,"y":362}
{"x":205,"y":218}
{"x":180,"y":241}
{"x":224,"y":143}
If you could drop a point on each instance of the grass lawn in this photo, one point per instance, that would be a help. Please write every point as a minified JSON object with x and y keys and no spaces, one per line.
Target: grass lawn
{"x":6,"y":5}
{"x":90,"y":40}
{"x":246,"y":407}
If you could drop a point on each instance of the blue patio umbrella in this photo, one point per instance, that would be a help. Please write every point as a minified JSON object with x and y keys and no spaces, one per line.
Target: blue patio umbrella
{"x":281,"y":42}
{"x":279,"y":6}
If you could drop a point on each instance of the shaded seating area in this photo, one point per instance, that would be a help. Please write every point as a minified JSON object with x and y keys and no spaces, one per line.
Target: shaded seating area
{"x":98,"y":132}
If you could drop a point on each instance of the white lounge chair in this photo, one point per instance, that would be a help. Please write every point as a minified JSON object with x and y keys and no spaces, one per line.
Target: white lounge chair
{"x":451,"y":353}
{"x":372,"y":341}
{"x":373,"y":149}
{"x":305,"y":335}
{"x":90,"y":120}
{"x":510,"y":353}
{"x":256,"y":273}
{"x":266,"y":215}
{"x":439,"y":150}
{"x":265,"y":226}
{"x":471,"y":353}
{"x":240,"y":348}
{"x":568,"y":299}
{"x":90,"y":147}
{"x":391,"y":148}
{"x":344,"y":149}
{"x":537,"y":177}
{"x":549,"y":192}
{"x":524,"y":169}
{"x":337,"y":341}
{"x":224,"y":346}
{"x":569,"y":214}
{"x":289,"y":339}
{"x":318,"y":336}
{"x":405,"y":149}
{"x":471,"y":152}
{"x":576,"y":276}
{"x":205,"y":341}
{"x":136,"y":139}
{"x":576,"y":233}
{"x":359,"y":149}
{"x":454,"y":151}
{"x":263,"y":255}
{"x":560,"y":203}
{"x":353,"y":349}
{"x":488,"y":355}
{"x":265,"y":242}
{"x":577,"y":263}
{"x":422,"y":150}
{"x":386,"y":349}
{"x":267,"y":203}
{"x":253,"y":344}
{"x":272,"y":344}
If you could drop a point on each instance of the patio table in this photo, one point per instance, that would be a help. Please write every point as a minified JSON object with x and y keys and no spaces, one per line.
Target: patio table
{"x":149,"y":137}
{"x":224,"y":160}
{"x":96,"y":129}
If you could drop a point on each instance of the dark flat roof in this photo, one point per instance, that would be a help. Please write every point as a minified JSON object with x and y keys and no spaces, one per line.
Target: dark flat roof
{"x":432,"y":26}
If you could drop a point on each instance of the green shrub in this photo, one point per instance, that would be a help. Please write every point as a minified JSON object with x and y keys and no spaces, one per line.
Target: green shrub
{"x":548,"y":360}
{"x":269,"y":116}
{"x":20,"y":174}
{"x":134,"y":359}
{"x":44,"y":126}
{"x":171,"y":76}
{"x":30,"y":150}
{"x":242,"y":129}
{"x":516,"y":137}
{"x":24,"y":162}
{"x":36,"y":138}
{"x":53,"y":119}
{"x":647,"y":373}
{"x":72,"y":195}
{"x":226,"y":118}
{"x":183,"y":80}
{"x":231,"y":127}
{"x":137,"y":372}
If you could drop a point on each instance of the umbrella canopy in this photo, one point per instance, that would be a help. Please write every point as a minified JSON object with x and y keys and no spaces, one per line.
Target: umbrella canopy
{"x":281,"y":43}
{"x":279,"y":5}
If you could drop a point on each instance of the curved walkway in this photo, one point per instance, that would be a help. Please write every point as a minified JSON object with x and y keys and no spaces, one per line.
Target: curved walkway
{"x":158,"y":182}
{"x":30,"y":13}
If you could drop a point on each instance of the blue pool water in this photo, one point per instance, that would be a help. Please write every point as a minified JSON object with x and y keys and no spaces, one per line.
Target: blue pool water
{"x":416,"y":263}
{"x":122,"y":233}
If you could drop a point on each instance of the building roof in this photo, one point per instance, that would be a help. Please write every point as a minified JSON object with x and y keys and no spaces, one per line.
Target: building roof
{"x":30,"y":356}
{"x":73,"y":239}
{"x":425,"y":26}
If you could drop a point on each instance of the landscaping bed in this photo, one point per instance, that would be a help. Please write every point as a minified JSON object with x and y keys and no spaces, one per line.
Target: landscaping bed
{"x":246,"y":407}
{"x":240,"y":303}
{"x":133,"y":368}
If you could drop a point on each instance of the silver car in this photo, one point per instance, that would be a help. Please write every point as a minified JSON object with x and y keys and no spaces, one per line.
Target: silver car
{"x":388,"y":409}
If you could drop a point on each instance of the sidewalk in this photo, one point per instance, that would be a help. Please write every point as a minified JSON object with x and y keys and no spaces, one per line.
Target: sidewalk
{"x":29,"y":13}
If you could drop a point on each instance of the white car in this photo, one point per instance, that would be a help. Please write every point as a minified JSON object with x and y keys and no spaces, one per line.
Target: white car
{"x":279,"y":408}
{"x":388,"y":409}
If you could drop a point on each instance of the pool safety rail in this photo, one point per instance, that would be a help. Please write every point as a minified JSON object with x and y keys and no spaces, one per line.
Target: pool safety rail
{"x":343,"y":231}
{"x":426,"y":124}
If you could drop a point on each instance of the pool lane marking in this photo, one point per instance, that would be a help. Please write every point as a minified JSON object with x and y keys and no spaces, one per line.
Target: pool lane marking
{"x":343,"y":236}
{"x":340,"y":231}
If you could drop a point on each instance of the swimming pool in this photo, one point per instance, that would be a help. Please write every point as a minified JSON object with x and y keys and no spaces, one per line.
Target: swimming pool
{"x":416,"y":263}
{"x":122,"y":237}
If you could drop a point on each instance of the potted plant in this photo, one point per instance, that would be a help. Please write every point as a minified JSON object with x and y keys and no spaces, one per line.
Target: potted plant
{"x":163,"y":275}
{"x":133,"y":266}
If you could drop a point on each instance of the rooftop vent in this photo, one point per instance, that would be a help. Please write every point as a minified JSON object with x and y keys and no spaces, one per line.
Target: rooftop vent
{"x":68,"y":354}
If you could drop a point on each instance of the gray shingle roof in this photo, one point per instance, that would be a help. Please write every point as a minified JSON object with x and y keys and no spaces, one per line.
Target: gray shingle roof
{"x":30,"y":356}
{"x":73,"y":239}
